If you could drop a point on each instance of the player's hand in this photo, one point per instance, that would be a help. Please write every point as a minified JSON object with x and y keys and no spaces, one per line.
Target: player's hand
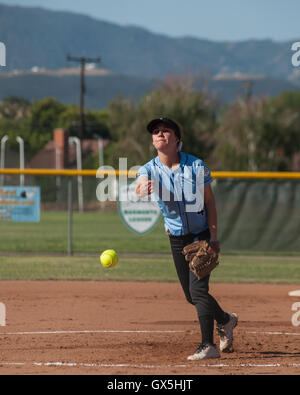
{"x":214,"y":247}
{"x":145,"y":188}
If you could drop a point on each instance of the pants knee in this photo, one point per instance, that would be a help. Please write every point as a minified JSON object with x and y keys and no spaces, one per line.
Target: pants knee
{"x":190,"y":299}
{"x":198,"y":294}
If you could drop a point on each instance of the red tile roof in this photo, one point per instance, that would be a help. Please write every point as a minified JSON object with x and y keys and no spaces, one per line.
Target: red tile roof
{"x":45,"y":159}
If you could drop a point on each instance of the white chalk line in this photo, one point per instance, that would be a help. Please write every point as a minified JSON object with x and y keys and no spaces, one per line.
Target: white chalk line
{"x":143,"y":366}
{"x":139,"y":366}
{"x":275,"y":333}
{"x":87,"y":331}
{"x":133,"y":331}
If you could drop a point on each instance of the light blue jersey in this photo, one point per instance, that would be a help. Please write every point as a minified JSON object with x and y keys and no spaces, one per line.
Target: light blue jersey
{"x":180,"y":193}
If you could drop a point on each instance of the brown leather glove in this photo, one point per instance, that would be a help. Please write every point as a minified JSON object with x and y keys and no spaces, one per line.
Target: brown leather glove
{"x":202,"y":256}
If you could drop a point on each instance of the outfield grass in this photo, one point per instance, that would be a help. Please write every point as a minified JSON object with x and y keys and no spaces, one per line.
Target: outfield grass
{"x":231,"y":269}
{"x":92,"y":232}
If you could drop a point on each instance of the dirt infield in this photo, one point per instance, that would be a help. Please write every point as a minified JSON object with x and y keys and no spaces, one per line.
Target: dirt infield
{"x":121,"y":328}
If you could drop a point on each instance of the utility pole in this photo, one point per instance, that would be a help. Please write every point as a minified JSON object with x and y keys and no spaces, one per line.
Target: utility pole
{"x":250,"y":134}
{"x":249,"y":89}
{"x":82,"y":60}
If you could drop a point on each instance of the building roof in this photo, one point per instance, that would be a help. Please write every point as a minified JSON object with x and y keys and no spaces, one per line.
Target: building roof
{"x":46,"y":158}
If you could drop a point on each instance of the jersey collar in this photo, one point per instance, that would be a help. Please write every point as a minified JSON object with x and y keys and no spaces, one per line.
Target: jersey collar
{"x":183,"y":160}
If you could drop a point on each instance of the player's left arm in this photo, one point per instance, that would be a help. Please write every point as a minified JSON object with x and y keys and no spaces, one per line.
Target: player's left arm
{"x":212,"y":218}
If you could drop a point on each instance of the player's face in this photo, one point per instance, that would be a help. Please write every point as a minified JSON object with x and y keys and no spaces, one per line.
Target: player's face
{"x":164,"y":138}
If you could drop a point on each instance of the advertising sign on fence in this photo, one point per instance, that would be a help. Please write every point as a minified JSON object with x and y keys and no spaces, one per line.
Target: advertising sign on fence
{"x":20,"y":204}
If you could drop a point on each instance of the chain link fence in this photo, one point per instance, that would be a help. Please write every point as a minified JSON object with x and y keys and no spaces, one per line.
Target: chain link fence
{"x":254,"y":215}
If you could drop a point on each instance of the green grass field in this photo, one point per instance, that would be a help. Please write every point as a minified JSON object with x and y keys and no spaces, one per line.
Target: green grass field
{"x":37,"y":251}
{"x":152,"y":268}
{"x":92,"y":232}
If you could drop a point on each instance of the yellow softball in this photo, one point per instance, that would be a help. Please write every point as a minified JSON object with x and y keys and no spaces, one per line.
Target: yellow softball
{"x":109,"y":258}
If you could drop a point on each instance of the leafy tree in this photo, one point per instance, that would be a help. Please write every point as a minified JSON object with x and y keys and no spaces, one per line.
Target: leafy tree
{"x":95,"y":122}
{"x":259,"y":135}
{"x":42,"y":120}
{"x":249,"y":134}
{"x":44,"y":115}
{"x":175,"y":98}
{"x":287,"y":136}
{"x":14,"y":115}
{"x":14,"y":108}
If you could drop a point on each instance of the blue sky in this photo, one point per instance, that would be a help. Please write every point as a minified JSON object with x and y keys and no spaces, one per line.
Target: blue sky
{"x":211,"y":19}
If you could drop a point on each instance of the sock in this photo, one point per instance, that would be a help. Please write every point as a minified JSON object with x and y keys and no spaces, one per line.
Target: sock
{"x":207,"y":328}
{"x":219,"y":314}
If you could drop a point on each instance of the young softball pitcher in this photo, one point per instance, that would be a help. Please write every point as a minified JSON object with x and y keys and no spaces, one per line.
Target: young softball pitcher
{"x":174,"y":179}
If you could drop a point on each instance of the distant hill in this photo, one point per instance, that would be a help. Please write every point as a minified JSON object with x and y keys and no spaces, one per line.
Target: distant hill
{"x":100,"y":89}
{"x":40,"y":37}
{"x":133,"y":59}
{"x":103,"y":86}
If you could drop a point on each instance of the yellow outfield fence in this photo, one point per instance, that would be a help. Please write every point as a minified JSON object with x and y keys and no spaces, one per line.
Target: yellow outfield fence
{"x":93,"y":173}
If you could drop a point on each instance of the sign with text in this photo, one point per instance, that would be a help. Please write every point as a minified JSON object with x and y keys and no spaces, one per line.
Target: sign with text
{"x":140,"y":215}
{"x":20,"y":204}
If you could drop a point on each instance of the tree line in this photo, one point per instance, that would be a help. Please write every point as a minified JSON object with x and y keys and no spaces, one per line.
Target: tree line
{"x":250,"y":134}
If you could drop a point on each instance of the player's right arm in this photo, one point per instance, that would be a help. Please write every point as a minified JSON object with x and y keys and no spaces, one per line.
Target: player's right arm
{"x":144,"y":186}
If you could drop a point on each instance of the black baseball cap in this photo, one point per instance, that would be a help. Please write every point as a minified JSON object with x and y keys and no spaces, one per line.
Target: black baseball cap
{"x":152,"y":124}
